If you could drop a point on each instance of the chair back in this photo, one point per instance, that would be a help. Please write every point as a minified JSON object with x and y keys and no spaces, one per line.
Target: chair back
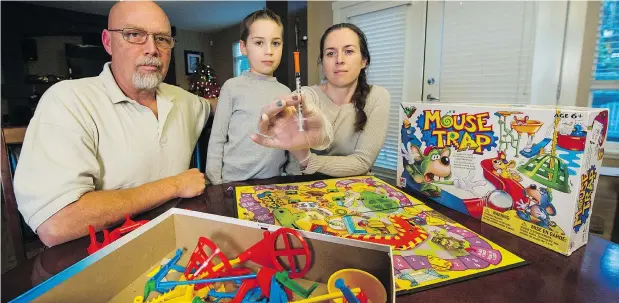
{"x":12,"y":139}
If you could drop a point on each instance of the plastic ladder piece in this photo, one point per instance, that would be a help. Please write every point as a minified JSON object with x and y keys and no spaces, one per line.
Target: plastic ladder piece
{"x":283,"y":278}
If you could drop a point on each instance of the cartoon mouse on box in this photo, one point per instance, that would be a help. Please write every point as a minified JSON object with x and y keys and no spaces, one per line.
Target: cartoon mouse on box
{"x":539,"y":208}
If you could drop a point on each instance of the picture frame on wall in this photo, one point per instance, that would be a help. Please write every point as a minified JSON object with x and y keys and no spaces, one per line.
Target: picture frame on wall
{"x":191,"y":61}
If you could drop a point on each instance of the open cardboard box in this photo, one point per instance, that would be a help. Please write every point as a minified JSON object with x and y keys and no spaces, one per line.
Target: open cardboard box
{"x":117,"y":273}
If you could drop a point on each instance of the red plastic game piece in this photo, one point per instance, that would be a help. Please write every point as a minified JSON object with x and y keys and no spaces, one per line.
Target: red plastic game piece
{"x":94,"y":244}
{"x":290,"y":252}
{"x":130,"y":225}
{"x":201,"y":263}
{"x":109,"y":237}
{"x":264,"y":278}
{"x":242,"y":291}
{"x":362,"y":297}
{"x":265,"y":253}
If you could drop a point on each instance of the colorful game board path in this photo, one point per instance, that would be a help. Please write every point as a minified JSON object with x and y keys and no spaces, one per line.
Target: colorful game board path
{"x":588,"y":275}
{"x":430,"y":250}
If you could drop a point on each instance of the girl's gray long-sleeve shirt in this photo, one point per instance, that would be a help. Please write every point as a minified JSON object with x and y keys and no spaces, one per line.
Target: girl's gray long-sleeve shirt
{"x":232,"y":155}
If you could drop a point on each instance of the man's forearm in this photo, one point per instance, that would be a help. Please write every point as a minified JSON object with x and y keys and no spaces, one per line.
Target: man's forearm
{"x":102,"y":209}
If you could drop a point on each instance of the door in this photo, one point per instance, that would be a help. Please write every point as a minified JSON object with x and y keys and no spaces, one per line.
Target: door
{"x":493,"y":51}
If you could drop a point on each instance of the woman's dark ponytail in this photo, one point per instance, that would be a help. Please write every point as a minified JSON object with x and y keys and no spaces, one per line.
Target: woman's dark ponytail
{"x":363,"y":88}
{"x":359,"y":99}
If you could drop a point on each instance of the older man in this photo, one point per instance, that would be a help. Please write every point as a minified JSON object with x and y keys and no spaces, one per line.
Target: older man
{"x":120,"y":143}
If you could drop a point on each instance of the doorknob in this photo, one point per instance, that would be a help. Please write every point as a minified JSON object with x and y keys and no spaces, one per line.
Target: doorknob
{"x":429,"y":97}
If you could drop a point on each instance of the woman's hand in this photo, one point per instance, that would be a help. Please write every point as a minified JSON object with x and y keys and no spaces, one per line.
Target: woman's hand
{"x":278,"y":125}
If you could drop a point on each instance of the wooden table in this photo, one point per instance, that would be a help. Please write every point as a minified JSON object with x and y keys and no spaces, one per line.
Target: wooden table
{"x":591,"y":274}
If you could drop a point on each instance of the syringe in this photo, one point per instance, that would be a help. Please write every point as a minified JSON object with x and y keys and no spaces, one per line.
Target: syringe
{"x":297,"y":75}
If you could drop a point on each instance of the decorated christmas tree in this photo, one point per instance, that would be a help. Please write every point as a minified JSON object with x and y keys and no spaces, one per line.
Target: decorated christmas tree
{"x":204,"y":82}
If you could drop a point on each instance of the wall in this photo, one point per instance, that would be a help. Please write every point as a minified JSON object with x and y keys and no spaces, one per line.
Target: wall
{"x":220,"y":57}
{"x":319,"y":18}
{"x":580,"y":44}
{"x":221,"y":54}
{"x":191,"y":41}
{"x":22,"y":20}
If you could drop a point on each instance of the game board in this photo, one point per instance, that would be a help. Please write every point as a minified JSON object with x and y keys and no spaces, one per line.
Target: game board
{"x":429,"y":249}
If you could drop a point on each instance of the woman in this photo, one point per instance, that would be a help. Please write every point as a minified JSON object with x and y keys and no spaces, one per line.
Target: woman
{"x":357,"y":111}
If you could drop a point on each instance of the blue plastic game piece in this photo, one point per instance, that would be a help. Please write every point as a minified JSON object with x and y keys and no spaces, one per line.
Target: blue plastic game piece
{"x":178,"y":268}
{"x":221,"y":295}
{"x":253,"y":295}
{"x":276,"y":293}
{"x":171,"y":284}
{"x":348,"y":295}
{"x":153,"y":282}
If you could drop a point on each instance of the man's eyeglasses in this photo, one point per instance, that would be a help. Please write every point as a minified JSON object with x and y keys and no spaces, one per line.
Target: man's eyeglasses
{"x":138,"y":36}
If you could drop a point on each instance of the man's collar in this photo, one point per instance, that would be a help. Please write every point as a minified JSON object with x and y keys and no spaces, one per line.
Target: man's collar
{"x":115,"y":93}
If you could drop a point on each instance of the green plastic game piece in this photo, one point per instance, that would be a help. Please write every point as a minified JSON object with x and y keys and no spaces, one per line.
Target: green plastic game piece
{"x":197,"y":300}
{"x":150,"y":286}
{"x":283,"y":278}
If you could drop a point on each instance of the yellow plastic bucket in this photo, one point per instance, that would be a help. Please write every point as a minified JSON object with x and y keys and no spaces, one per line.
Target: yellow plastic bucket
{"x":370,"y":285}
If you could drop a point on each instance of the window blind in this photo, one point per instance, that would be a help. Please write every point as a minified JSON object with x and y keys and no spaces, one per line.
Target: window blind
{"x":487,"y":51}
{"x":605,"y":76}
{"x":385,"y":33}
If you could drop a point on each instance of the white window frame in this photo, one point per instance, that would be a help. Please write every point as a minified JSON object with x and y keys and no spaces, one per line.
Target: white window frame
{"x":578,"y":56}
{"x":236,"y":65}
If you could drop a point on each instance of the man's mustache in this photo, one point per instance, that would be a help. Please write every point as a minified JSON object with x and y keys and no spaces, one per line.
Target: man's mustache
{"x":151,"y":61}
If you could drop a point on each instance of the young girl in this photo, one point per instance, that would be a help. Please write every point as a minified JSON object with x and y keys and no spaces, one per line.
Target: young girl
{"x":232,"y":155}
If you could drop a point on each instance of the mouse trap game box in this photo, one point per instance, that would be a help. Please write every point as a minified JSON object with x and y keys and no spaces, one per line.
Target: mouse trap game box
{"x":529,"y":170}
{"x":184,"y":256}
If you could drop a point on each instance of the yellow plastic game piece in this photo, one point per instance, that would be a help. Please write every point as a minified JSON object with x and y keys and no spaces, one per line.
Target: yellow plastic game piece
{"x":355,"y":278}
{"x":187,"y":297}
{"x":203,"y":292}
{"x":220,"y":265}
{"x":138,"y":299}
{"x":180,"y":291}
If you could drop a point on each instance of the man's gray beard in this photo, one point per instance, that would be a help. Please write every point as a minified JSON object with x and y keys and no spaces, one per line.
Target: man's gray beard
{"x":147,"y":81}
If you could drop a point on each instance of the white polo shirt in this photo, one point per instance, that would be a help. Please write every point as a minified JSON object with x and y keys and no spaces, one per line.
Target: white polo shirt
{"x":87,"y":135}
